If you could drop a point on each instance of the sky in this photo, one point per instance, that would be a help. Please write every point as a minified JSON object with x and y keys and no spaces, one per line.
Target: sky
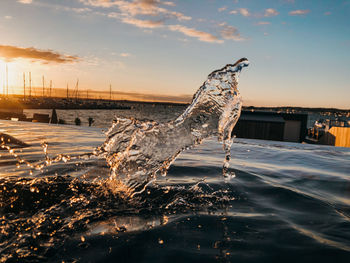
{"x":299,"y":50}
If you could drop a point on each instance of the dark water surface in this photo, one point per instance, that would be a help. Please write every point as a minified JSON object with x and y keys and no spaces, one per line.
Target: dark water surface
{"x":288,"y":203}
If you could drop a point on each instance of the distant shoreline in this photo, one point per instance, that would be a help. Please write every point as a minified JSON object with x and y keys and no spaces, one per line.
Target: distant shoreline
{"x":64,"y":103}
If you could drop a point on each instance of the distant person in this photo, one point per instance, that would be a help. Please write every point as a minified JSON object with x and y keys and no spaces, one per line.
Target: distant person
{"x":77,"y":121}
{"x":54,"y":118}
{"x":91,"y":121}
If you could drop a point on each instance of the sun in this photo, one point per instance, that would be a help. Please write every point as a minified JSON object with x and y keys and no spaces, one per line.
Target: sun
{"x":2,"y":76}
{"x":7,"y":77}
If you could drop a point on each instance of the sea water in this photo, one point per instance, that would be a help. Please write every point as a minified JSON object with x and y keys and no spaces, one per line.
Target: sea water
{"x":61,"y":200}
{"x":288,"y":202}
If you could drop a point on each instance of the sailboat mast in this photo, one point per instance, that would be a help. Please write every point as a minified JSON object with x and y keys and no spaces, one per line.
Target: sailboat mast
{"x":50,"y":87}
{"x":43,"y":86}
{"x":30,"y":84}
{"x":77,"y":90}
{"x":7,"y":81}
{"x":24,"y":86}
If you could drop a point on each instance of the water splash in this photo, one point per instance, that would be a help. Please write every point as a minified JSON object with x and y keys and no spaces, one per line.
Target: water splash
{"x":136,"y":151}
{"x":39,"y":215}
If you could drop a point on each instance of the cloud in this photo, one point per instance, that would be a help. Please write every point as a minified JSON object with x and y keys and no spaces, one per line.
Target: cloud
{"x":125,"y":55}
{"x":299,"y":12}
{"x":232,"y":33}
{"x":99,"y":3}
{"x":142,"y":23}
{"x":25,"y":1}
{"x":151,"y":14}
{"x":136,"y":22}
{"x":191,"y":32}
{"x":152,"y":97}
{"x":79,"y":10}
{"x":46,"y":56}
{"x":148,"y":7}
{"x":8,"y":17}
{"x":221,"y":9}
{"x":270,"y":12}
{"x":139,"y":7}
{"x":169,"y":3}
{"x":244,"y":11}
{"x":262,"y":23}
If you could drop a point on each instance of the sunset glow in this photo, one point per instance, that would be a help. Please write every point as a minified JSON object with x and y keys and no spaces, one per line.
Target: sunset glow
{"x":167,"y":48}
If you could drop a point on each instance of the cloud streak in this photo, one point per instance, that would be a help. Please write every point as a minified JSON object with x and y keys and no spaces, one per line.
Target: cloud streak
{"x":139,"y":7}
{"x":221,"y":9}
{"x":232,"y":33}
{"x":191,"y":32}
{"x":125,"y":55}
{"x":262,"y":23}
{"x":299,"y":12}
{"x":142,"y":23}
{"x":244,"y":12}
{"x":45,"y":56}
{"x":153,"y":97}
{"x":270,"y":12}
{"x":151,"y":14}
{"x":25,"y":1}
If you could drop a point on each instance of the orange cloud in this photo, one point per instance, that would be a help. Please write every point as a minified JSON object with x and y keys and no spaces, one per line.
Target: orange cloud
{"x":154,"y":97}
{"x":125,"y":55}
{"x":142,"y":23}
{"x":136,"y":22}
{"x":150,"y":14}
{"x":139,"y":7}
{"x":46,"y":56}
{"x":191,"y":32}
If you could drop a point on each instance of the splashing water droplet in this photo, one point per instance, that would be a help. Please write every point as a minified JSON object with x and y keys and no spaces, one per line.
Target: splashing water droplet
{"x":136,"y":151}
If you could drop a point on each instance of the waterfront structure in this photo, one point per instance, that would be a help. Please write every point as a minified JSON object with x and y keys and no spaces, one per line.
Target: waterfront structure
{"x":264,"y":125}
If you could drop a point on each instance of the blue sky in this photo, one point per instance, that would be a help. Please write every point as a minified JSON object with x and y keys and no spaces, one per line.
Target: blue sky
{"x":299,"y":50}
